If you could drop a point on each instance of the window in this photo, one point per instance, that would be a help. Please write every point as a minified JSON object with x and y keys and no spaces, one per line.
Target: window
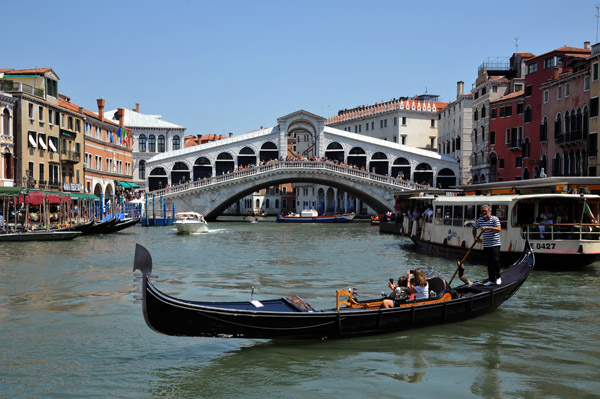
{"x":32,"y":140}
{"x":433,"y":123}
{"x":395,"y":121}
{"x":567,"y":89}
{"x":501,"y":163}
{"x":483,"y":91}
{"x":77,"y":125}
{"x":549,"y":62}
{"x":385,"y":123}
{"x":507,"y":141}
{"x":492,"y":137}
{"x":404,"y":139}
{"x":508,"y":111}
{"x":519,"y":162}
{"x":494,"y":110}
{"x":527,"y":91}
{"x":546,"y":96}
{"x":559,"y":92}
{"x":70,"y":121}
{"x":593,"y":107}
{"x":586,"y":83}
{"x":176,"y":142}
{"x":50,"y":116}
{"x":527,"y":115}
{"x":518,"y":87}
{"x":404,"y":121}
{"x":367,"y":126}
{"x":532,"y":68}
{"x":519,"y":108}
{"x":30,"y":113}
{"x":372,"y":125}
{"x":161,"y":143}
{"x":152,"y":143}
{"x":41,"y":114}
{"x":593,"y":144}
{"x":595,"y":71}
{"x":42,"y":141}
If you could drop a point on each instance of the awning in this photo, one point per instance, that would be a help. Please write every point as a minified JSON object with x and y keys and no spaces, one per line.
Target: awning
{"x":52,"y":147}
{"x":32,"y":141}
{"x":127,"y":184}
{"x":81,"y":196}
{"x":42,"y":144}
{"x":10,"y":191}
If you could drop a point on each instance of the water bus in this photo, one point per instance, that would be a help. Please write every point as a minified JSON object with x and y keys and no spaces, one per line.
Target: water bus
{"x":562,"y":227}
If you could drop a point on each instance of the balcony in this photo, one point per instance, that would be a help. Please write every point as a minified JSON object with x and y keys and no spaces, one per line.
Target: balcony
{"x":515,"y":145}
{"x":571,"y":138}
{"x":70,"y":156}
{"x":17,"y":87}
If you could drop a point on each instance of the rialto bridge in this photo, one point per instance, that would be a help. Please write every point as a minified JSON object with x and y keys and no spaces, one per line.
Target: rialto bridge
{"x":210,"y":177}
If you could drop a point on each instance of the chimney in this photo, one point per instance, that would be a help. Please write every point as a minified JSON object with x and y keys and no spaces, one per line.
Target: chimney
{"x":586,"y":45}
{"x":121,"y":116}
{"x":555,"y":73}
{"x":101,"y":103}
{"x":230,"y":134}
{"x":460,"y":88}
{"x":137,"y":107}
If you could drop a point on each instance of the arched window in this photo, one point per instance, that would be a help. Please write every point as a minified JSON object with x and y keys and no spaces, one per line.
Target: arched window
{"x":557,"y":126}
{"x":176,"y":142}
{"x":142,"y":170}
{"x":6,"y":123}
{"x":161,"y":143}
{"x":152,"y":143}
{"x":142,"y":141}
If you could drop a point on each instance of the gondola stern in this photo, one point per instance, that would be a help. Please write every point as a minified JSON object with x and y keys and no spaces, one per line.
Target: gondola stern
{"x":142,"y":260}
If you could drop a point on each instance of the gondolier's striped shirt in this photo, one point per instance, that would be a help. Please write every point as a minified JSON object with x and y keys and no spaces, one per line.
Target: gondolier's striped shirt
{"x":490,"y":238}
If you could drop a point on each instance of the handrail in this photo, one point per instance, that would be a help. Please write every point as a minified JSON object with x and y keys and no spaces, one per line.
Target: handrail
{"x":561,"y":231}
{"x":281,"y":165}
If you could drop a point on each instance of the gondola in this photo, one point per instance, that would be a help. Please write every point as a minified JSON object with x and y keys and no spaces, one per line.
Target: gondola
{"x":39,"y":236}
{"x":122,"y":224}
{"x":293,"y":318}
{"x":99,"y":228}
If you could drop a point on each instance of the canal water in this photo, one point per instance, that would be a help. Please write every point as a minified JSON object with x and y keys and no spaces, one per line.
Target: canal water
{"x":70,"y":325}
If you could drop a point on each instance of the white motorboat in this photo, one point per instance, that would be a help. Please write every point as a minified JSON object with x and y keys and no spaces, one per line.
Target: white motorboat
{"x":190,"y":222}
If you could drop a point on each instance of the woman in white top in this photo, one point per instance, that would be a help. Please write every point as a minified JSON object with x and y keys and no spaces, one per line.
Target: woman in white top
{"x":418,"y":285}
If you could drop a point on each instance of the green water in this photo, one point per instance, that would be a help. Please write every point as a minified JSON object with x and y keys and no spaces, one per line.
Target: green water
{"x":70,"y":325}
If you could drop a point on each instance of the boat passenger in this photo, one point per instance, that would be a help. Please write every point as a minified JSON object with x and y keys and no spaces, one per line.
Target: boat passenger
{"x":414,"y":285}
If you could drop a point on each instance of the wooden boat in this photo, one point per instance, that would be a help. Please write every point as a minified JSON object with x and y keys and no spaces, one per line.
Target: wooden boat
{"x":312,"y":216}
{"x":121,"y":224}
{"x":292,"y":317}
{"x":40,"y":236}
{"x":99,"y":228}
{"x":190,"y":222}
{"x":570,"y":240}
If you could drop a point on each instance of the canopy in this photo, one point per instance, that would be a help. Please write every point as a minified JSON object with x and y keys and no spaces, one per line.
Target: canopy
{"x":81,"y":196}
{"x":10,"y":191}
{"x":126,"y":184}
{"x":37,"y":198}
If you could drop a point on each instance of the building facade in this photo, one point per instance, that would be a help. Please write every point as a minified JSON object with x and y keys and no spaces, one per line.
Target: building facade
{"x":594,"y":123}
{"x":407,"y":121}
{"x":454,"y":131}
{"x":7,"y":143}
{"x":108,"y":155}
{"x":542,"y":70}
{"x":151,"y":136}
{"x":496,"y":77}
{"x":506,"y":136}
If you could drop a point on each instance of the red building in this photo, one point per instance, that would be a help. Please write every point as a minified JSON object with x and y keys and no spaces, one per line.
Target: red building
{"x":506,"y":136}
{"x":540,"y":70}
{"x":565,"y":118}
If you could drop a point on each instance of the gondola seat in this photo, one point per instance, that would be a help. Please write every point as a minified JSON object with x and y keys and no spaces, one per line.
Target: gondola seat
{"x":437,"y":285}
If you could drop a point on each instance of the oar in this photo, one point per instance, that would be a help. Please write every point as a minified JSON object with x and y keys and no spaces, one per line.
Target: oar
{"x":465,"y":258}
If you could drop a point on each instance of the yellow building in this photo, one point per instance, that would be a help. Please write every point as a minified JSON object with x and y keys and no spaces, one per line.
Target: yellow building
{"x":48,"y":131}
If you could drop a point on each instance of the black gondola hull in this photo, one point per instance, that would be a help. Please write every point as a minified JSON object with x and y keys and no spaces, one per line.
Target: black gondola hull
{"x":278,"y":318}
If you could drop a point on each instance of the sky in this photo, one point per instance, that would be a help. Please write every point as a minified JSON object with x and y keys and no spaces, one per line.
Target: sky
{"x":234,"y":66}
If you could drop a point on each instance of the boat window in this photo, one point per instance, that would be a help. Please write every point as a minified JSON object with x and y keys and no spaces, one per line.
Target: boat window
{"x":448,"y":215}
{"x":438,"y":214}
{"x":525,"y":213}
{"x":457,"y":220}
{"x":470,"y":213}
{"x":501,"y":212}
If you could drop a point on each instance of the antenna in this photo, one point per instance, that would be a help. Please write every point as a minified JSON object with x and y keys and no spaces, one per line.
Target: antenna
{"x":597,"y":16}
{"x":516,"y":44}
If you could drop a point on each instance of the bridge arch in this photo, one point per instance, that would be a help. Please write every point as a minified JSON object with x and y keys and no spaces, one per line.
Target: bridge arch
{"x":158,"y":179}
{"x":401,"y":168}
{"x":180,"y":173}
{"x":268,"y":152}
{"x":446,"y":178}
{"x":379,"y":164}
{"x":335,"y":152}
{"x":202,"y":168}
{"x":302,"y":137}
{"x":357,"y":157}
{"x":246,"y":156}
{"x":224,"y":163}
{"x":424,"y":174}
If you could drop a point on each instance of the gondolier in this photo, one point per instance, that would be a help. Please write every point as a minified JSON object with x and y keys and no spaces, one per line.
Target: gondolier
{"x":490,"y":226}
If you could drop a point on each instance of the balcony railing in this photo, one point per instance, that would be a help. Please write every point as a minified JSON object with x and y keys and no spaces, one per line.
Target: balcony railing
{"x":515,"y":145}
{"x":70,"y":156}
{"x":571,"y":138}
{"x":10,"y":86}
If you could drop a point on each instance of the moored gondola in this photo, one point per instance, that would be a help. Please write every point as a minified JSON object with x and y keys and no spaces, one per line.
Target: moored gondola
{"x":293,"y":318}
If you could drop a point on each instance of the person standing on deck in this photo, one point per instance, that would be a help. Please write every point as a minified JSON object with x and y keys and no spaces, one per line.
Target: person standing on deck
{"x":490,"y":226}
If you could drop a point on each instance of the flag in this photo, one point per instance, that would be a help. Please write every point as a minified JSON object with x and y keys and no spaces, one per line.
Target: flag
{"x":119,"y":135}
{"x":112,"y":139}
{"x":588,"y":211}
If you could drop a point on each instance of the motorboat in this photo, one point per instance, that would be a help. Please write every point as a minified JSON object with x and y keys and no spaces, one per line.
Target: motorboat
{"x":312,"y":216}
{"x":190,"y":222}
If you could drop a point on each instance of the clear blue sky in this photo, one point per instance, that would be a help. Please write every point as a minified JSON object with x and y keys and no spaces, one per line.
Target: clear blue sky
{"x":233,"y":66}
